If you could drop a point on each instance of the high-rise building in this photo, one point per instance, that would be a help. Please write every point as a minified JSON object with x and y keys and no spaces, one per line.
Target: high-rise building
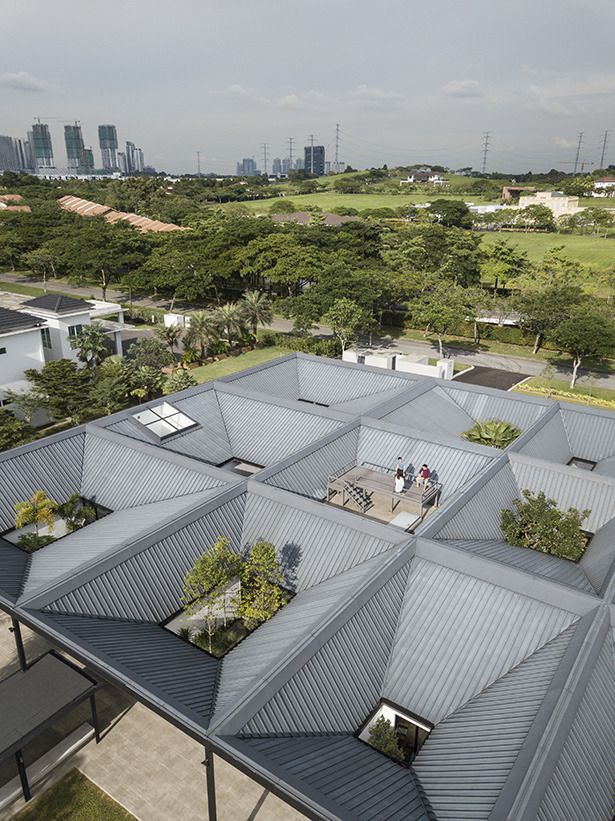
{"x":298,"y":164}
{"x":139,"y":160}
{"x":87,"y":161}
{"x":130,"y":157}
{"x":107,"y":139}
{"x":73,"y":139}
{"x":9,"y":160}
{"x":314,"y":160}
{"x":286,"y":165}
{"x":121,"y":162}
{"x":276,"y":167}
{"x":247,"y":168}
{"x":41,"y":146}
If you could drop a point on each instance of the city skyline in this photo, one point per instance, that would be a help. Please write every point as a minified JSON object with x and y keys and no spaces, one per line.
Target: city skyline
{"x":408,"y":84}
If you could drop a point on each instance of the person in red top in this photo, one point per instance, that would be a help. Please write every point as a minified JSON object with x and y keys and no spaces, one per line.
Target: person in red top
{"x":423,"y":477}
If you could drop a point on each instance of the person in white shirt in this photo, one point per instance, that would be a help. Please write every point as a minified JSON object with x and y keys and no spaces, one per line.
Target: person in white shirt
{"x":400,"y":481}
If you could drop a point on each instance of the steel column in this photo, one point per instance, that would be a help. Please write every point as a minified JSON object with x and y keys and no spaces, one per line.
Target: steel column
{"x":211,"y":784}
{"x":16,"y":630}
{"x":23,"y":776}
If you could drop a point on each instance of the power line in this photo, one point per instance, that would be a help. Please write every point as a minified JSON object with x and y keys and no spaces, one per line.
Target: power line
{"x":265,"y":146}
{"x":336,"y":167}
{"x":605,"y":140}
{"x":485,"y":149}
{"x":576,"y":159}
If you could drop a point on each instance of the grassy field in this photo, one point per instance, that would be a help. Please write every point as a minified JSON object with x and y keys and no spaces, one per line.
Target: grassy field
{"x":232,"y":364}
{"x":594,"y":251}
{"x":556,"y":389}
{"x":74,"y":798}
{"x":327,"y":200}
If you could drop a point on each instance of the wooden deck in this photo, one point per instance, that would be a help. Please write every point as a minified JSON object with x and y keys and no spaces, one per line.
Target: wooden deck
{"x":372,"y":482}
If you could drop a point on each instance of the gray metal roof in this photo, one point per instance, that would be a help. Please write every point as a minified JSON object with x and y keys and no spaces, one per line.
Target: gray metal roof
{"x":17,"y":321}
{"x":345,"y":776}
{"x":457,"y":634}
{"x":598,"y":561}
{"x":541,"y":564}
{"x":58,"y":303}
{"x":550,"y":442}
{"x":464,"y":763}
{"x":591,"y":433}
{"x":14,"y":563}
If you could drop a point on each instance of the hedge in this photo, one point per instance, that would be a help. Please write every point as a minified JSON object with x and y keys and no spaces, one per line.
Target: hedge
{"x":306,"y":344}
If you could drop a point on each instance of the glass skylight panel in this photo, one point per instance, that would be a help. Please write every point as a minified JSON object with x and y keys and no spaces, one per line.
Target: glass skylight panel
{"x":164,"y":420}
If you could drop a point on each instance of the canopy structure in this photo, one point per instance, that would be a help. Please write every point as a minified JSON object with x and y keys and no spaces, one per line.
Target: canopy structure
{"x":33,"y":699}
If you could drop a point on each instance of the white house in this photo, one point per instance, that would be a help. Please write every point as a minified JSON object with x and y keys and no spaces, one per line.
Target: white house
{"x":21,"y":347}
{"x":560,"y":204}
{"x":604,"y":187}
{"x":65,"y":317}
{"x":425,"y":177}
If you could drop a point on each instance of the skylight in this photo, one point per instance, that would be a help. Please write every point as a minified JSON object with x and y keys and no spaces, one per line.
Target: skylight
{"x":164,"y":420}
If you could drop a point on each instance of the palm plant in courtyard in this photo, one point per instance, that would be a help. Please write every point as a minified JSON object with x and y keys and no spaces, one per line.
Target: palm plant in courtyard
{"x":494,"y":433}
{"x":257,"y":310}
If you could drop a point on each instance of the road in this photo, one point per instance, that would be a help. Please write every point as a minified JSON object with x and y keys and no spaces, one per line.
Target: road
{"x":465,"y":356}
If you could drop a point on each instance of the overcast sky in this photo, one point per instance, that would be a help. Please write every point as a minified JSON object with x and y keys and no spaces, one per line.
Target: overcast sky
{"x":408,"y":81}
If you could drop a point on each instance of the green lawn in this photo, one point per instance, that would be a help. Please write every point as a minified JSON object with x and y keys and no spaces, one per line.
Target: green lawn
{"x":557,"y":389}
{"x":74,"y":798}
{"x":232,"y":364}
{"x":594,"y":251}
{"x":327,"y":200}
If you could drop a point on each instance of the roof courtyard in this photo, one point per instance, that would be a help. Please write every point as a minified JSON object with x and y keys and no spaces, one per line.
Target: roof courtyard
{"x":502,"y":656}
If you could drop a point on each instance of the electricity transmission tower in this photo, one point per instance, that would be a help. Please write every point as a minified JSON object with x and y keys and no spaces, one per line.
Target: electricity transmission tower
{"x":312,"y":154}
{"x":265,"y":146}
{"x":605,"y":139}
{"x":486,"y":136}
{"x":291,"y":140}
{"x":576,"y":159}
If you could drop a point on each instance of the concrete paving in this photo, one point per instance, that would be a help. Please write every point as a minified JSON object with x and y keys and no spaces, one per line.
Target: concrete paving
{"x":153,"y":769}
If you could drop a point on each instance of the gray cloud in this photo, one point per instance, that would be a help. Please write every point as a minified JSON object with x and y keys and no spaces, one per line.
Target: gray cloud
{"x":22,"y":81}
{"x":462,"y":88}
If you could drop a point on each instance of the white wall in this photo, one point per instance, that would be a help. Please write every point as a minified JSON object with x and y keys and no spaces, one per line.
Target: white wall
{"x":58,"y":330}
{"x":24,"y":349}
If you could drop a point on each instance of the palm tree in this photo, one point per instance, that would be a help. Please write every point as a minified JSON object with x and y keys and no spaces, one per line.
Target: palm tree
{"x":91,"y":345}
{"x":257,"y":310}
{"x":231,"y":319}
{"x":39,"y":511}
{"x":170,"y":335}
{"x":203,"y":331}
{"x":495,"y":433}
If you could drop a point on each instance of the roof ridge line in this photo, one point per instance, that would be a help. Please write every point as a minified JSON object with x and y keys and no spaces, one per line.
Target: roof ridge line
{"x":534,"y":429}
{"x":421,"y":386}
{"x":556,"y":467}
{"x":522,"y":793}
{"x":234,"y":718}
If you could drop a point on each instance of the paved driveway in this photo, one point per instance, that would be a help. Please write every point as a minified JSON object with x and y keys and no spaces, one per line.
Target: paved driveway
{"x":491,"y":377}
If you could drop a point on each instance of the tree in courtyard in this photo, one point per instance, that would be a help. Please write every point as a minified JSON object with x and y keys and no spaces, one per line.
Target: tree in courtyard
{"x":440,"y":310}
{"x":257,"y":310}
{"x":585,"y":336}
{"x":26,"y":402}
{"x":39,"y":511}
{"x":494,"y":433}
{"x":91,"y":345}
{"x":537,"y":523}
{"x":382,"y":737}
{"x":204,"y":331}
{"x":179,"y":380}
{"x":76,"y":513}
{"x":345,"y":318}
{"x":64,"y":387}
{"x":13,"y":431}
{"x":261,"y":580}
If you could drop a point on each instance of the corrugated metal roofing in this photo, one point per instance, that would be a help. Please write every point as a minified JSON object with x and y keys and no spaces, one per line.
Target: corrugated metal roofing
{"x":117,"y":476}
{"x":433,"y":411}
{"x":457,"y":634}
{"x":308,"y":476}
{"x":569,"y":487}
{"x":599,"y":558}
{"x":581,"y":787}
{"x":591,"y":434}
{"x":17,"y":321}
{"x":480,"y":517}
{"x":13,"y":564}
{"x":451,"y":466}
{"x":148,"y":586}
{"x":499,"y":405}
{"x":168,"y":667}
{"x":336,"y":688}
{"x":466,"y":759}
{"x":332,"y":383}
{"x":312,"y":548}
{"x":252,"y":658}
{"x":363,"y":405}
{"x":278,"y":378}
{"x":362,"y":783}
{"x":52,"y":466}
{"x":105,"y":536}
{"x":550,"y":442}
{"x":540,"y":564}
{"x":606,"y":468}
{"x":263,"y":433}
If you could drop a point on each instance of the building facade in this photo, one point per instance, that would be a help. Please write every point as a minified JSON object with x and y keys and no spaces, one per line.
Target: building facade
{"x":42,"y":147}
{"x":314,"y":160}
{"x":107,"y":139}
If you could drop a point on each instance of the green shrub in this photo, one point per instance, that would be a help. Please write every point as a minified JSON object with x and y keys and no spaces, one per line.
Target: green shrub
{"x":494,"y":433}
{"x":382,"y":737}
{"x":305,"y":344}
{"x":538,"y":524}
